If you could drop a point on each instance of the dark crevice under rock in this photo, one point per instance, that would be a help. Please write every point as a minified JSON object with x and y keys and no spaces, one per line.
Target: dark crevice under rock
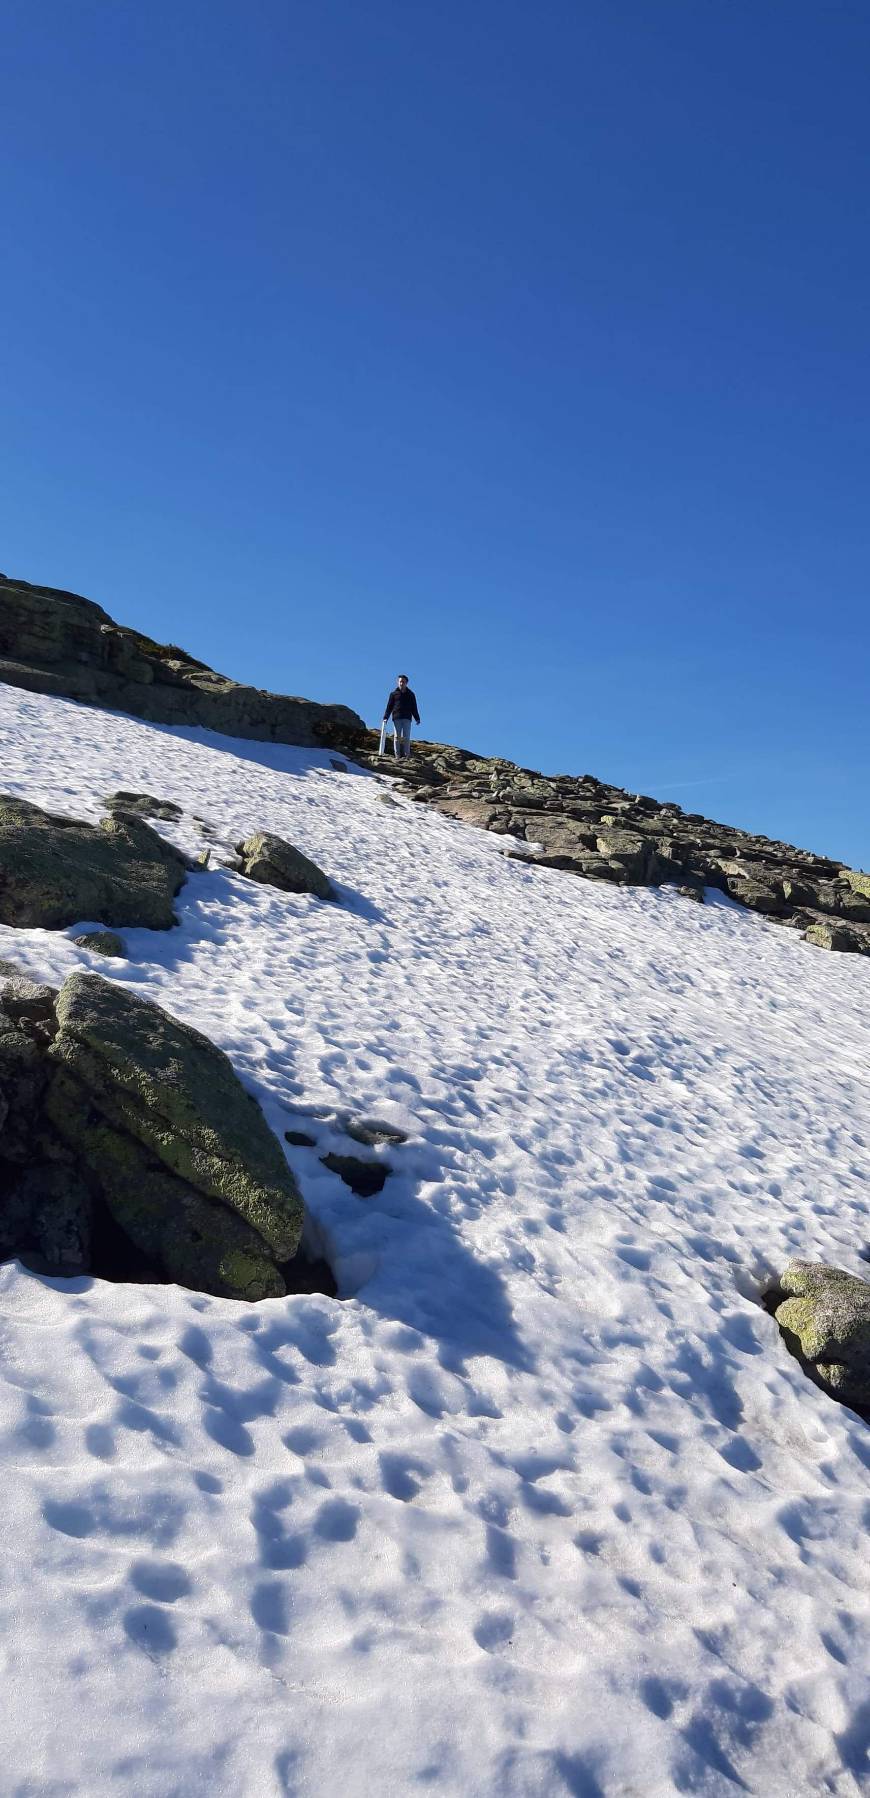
{"x":114,"y":1257}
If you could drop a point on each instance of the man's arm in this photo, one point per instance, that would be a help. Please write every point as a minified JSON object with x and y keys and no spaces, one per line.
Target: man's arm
{"x":390,"y":703}
{"x":413,"y":699}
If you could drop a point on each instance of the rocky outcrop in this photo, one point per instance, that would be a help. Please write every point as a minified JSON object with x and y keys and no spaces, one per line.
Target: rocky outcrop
{"x":585,"y":827}
{"x":55,"y":871}
{"x":57,"y":642}
{"x":274,"y":863}
{"x":824,"y":1315}
{"x":110,"y":1106}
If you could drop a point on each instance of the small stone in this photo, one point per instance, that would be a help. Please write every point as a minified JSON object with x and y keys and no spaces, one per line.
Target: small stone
{"x":299,"y":1139}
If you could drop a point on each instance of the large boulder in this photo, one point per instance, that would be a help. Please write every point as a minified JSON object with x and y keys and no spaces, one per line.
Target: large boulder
{"x":128,"y":1073}
{"x":56,"y":870}
{"x":274,"y":863}
{"x":115,"y":1117}
{"x":824,"y":1314}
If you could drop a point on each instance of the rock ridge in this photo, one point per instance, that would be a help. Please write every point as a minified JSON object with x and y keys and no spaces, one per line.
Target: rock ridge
{"x":56,"y":642}
{"x":589,"y":828}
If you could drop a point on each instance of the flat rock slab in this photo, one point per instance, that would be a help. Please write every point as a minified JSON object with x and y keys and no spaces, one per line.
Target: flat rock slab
{"x":272,"y":862}
{"x":56,"y":870}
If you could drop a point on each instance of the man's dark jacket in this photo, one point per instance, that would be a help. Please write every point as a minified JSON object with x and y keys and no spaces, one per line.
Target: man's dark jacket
{"x":402,"y":703}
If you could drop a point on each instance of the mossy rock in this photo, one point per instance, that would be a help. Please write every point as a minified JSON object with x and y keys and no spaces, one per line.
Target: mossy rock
{"x":826,"y":1314}
{"x":859,"y":883}
{"x":164,"y":1084}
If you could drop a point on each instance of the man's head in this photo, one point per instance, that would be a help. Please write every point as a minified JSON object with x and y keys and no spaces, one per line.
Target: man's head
{"x":402,"y":680}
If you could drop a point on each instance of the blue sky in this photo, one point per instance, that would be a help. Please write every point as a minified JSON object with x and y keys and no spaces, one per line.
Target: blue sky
{"x":524,"y":348}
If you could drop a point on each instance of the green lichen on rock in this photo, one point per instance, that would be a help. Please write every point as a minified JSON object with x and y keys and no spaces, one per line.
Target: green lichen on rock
{"x":272,"y":862}
{"x":825,"y":1317}
{"x":167,"y":1086}
{"x":55,"y":870}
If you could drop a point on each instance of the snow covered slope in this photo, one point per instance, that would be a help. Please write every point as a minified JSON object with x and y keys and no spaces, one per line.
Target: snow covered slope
{"x":540,"y":1505}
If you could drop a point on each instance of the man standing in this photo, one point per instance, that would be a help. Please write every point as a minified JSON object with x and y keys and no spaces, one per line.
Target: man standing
{"x":402,"y":707}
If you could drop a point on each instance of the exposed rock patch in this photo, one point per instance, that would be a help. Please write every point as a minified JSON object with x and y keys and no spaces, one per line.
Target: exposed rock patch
{"x":142,"y":805}
{"x":101,"y":942}
{"x":55,"y":870}
{"x":365,"y":1178}
{"x":272,"y":862}
{"x":56,"y":642}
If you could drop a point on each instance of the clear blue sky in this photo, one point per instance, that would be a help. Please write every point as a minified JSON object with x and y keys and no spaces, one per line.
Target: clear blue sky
{"x":523,"y":348}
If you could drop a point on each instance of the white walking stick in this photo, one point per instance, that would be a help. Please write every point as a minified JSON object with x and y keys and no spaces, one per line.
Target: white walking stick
{"x":382,"y":743}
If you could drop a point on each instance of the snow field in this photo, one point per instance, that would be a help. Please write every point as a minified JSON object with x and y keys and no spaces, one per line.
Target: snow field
{"x":540,"y":1505}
